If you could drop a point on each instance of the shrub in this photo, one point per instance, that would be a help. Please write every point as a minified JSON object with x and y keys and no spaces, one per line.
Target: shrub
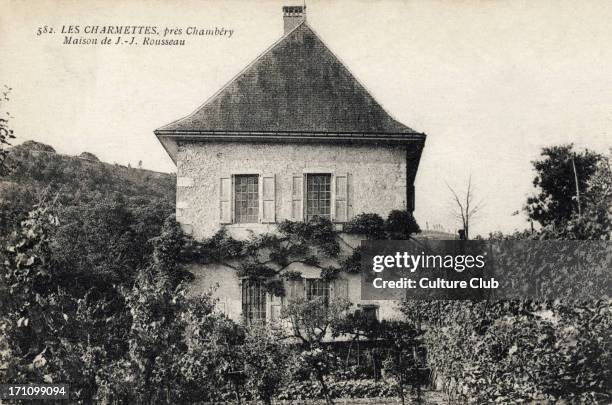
{"x":401,"y":224}
{"x":362,"y":388}
{"x":371,"y":225}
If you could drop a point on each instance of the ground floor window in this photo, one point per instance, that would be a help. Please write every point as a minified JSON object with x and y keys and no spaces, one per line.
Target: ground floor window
{"x":369,"y":312}
{"x":317,"y":288}
{"x":253,"y":301}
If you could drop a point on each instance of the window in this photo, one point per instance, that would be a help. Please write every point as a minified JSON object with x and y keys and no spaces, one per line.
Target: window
{"x":318,"y":196}
{"x":253,"y":301}
{"x":370,"y":312}
{"x":317,"y":288}
{"x":246,"y":198}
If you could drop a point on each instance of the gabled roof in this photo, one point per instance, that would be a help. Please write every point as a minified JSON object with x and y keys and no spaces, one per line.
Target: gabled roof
{"x":297,"y":85}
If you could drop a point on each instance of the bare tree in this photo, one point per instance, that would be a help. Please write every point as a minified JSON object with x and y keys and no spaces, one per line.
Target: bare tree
{"x":466,"y":208}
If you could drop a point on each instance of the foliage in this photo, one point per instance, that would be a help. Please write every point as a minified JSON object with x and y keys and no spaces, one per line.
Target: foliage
{"x":6,"y":133}
{"x":595,"y":219}
{"x":329,"y":273}
{"x":556,"y":180}
{"x":263,"y":353}
{"x":89,"y":156}
{"x":41,"y":176}
{"x":255,"y":270}
{"x":352,"y":264}
{"x":356,"y":324}
{"x":311,"y":321}
{"x":218,"y":248}
{"x":362,"y":388}
{"x":319,"y":232}
{"x":34,"y":304}
{"x":403,"y":361}
{"x":275,"y":288}
{"x":292,"y":275}
{"x":400,"y":225}
{"x":564,"y":349}
{"x":371,"y":225}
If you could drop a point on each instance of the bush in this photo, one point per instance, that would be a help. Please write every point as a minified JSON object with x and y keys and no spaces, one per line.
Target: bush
{"x":371,"y":225}
{"x":297,"y":390}
{"x":401,"y":224}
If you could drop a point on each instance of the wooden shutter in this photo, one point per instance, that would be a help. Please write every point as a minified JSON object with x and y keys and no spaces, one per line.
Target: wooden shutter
{"x":297,"y":190}
{"x":268,"y":198}
{"x":341,"y":197}
{"x":340,"y":288}
{"x":275,"y":313}
{"x":225,"y":200}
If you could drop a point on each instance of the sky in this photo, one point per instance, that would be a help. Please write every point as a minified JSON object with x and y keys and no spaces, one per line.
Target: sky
{"x":490,"y":83}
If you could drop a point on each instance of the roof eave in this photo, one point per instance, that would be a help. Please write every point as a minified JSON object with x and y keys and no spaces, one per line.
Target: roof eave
{"x":293,"y":136}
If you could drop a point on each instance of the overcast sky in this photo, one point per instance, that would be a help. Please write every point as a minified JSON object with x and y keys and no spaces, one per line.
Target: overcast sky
{"x":490,"y":83}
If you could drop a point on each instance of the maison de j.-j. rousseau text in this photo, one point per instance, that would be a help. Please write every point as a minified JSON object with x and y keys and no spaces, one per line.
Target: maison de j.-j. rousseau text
{"x":143,"y":35}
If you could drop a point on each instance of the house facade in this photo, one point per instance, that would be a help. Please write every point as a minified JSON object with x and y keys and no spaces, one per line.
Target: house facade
{"x":293,"y":136}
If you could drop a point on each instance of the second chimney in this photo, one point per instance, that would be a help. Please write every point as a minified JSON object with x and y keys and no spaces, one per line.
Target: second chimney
{"x":293,"y":16}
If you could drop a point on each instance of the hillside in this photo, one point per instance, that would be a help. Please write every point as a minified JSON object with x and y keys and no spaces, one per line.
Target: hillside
{"x":39,"y":174}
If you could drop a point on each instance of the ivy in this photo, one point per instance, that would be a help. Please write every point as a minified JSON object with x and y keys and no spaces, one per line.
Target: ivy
{"x":318,"y":232}
{"x":371,"y":225}
{"x":217,"y":249}
{"x":255,"y":270}
{"x":265,"y":256}
{"x":352,"y":264}
{"x":330,"y":273}
{"x":292,"y":275}
{"x":275,"y":287}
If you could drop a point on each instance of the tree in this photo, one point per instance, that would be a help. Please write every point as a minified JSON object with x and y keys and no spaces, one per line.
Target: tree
{"x":311,"y":321}
{"x":403,"y":361}
{"x":6,"y":133}
{"x":263,"y":352}
{"x":562,"y":176}
{"x":36,"y":308}
{"x":400,"y":225}
{"x":466,"y":207}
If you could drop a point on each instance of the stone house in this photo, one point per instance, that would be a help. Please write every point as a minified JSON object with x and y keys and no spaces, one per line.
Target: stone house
{"x":293,"y":136}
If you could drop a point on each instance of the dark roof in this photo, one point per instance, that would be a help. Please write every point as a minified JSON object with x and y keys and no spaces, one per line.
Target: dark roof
{"x":296,"y":85}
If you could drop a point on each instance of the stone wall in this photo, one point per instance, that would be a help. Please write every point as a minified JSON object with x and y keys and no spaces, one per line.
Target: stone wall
{"x":376,"y":178}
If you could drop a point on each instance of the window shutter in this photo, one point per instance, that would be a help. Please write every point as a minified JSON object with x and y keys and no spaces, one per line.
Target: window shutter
{"x":268,"y":198}
{"x":275,"y":313}
{"x":341,"y":200}
{"x":297,"y":190}
{"x":340,"y":288}
{"x":225,"y":200}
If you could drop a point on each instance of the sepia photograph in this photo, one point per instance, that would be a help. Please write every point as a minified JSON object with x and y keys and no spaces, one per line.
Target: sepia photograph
{"x":305,"y":202}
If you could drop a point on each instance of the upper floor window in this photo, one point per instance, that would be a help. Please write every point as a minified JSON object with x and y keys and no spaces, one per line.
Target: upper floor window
{"x":318,"y":196}
{"x":246,"y":198}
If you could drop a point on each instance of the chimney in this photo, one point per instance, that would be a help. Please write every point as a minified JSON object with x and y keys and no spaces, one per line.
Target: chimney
{"x":293,"y":16}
